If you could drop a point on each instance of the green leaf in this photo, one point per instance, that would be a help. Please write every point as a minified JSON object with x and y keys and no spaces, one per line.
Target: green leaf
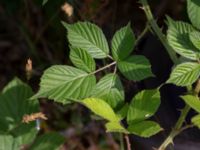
{"x":123,"y":43}
{"x":192,"y":101}
{"x":110,"y":89}
{"x":115,"y":127}
{"x":101,"y":108}
{"x":61,"y":83}
{"x":89,"y":37}
{"x":145,"y":128}
{"x":135,"y":68}
{"x":143,"y":105}
{"x":15,"y":104}
{"x":193,"y":10}
{"x":81,"y":59}
{"x":44,"y":2}
{"x":195,"y":39}
{"x":196,"y":120}
{"x":7,"y":142}
{"x":51,"y":141}
{"x":123,"y":111}
{"x":178,"y":38}
{"x":185,"y":74}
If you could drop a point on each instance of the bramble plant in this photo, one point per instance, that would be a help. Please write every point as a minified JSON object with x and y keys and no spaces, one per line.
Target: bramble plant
{"x":101,"y":90}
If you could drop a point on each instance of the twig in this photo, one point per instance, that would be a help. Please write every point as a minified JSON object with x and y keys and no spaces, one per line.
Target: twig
{"x":105,"y":67}
{"x":128,"y":144}
{"x":142,"y":34}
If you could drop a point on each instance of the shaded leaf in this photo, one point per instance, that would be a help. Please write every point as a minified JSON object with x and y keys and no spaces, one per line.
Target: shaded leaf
{"x":145,"y":128}
{"x":123,"y":43}
{"x":7,"y":142}
{"x":110,"y":89}
{"x":51,"y":141}
{"x":143,"y":105}
{"x":81,"y":59}
{"x":135,"y":68}
{"x":89,"y":37}
{"x":185,"y":74}
{"x":123,"y":111}
{"x":15,"y":104}
{"x":61,"y":83}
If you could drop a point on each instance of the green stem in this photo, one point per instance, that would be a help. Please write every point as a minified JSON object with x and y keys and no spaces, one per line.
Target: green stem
{"x":121,"y":141}
{"x":176,"y":130}
{"x":105,"y":67}
{"x":158,"y":32}
{"x":172,"y":54}
{"x":142,"y":34}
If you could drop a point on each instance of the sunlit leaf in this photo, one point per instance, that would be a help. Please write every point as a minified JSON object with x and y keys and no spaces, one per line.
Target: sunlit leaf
{"x":196,"y":120}
{"x":185,"y":74}
{"x":81,"y":59}
{"x":110,"y":89}
{"x":89,"y":37}
{"x":101,"y":108}
{"x":195,"y":39}
{"x":192,"y":101}
{"x":61,"y":83}
{"x":115,"y":127}
{"x":178,"y":38}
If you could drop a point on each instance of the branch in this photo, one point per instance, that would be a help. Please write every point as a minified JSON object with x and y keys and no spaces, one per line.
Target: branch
{"x":128,"y":144}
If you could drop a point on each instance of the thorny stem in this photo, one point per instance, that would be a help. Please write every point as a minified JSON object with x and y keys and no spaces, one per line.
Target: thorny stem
{"x":105,"y":67}
{"x":158,"y":31}
{"x":177,"y":129}
{"x":128,"y":143}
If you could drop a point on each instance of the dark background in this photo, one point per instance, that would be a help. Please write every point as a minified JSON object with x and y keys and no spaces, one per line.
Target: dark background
{"x":30,"y":30}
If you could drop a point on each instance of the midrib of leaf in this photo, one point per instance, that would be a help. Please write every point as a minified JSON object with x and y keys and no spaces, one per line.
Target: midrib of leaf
{"x":94,"y":44}
{"x":111,"y":83}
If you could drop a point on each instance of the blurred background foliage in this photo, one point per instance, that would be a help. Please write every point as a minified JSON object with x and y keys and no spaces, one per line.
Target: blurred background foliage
{"x":29,"y":29}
